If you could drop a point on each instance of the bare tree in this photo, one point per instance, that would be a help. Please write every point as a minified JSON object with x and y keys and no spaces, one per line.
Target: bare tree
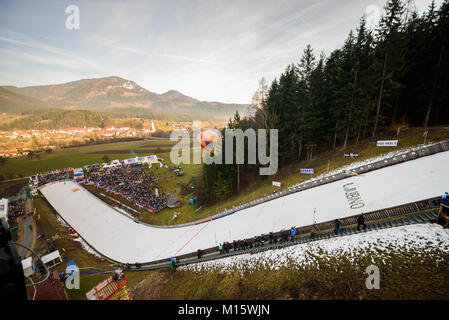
{"x":261,"y":94}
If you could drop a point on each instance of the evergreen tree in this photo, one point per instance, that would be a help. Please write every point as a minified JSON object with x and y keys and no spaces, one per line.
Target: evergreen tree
{"x":304,"y":98}
{"x":390,"y":52}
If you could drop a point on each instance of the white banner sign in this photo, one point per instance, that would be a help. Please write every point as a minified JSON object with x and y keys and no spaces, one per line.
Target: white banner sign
{"x":387,"y":143}
{"x":276,"y":184}
{"x":307,"y":171}
{"x":355,"y":154}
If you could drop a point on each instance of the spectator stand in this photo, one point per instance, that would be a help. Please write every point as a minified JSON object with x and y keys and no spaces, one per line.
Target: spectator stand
{"x":109,"y":287}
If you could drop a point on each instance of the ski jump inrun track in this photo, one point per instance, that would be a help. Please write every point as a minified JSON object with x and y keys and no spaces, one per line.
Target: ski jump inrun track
{"x":121,"y":239}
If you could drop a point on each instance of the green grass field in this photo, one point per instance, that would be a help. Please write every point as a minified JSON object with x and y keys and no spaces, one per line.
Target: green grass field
{"x":80,"y":156}
{"x":10,"y":188}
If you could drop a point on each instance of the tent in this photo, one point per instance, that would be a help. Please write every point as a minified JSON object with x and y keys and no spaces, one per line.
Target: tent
{"x":114,"y":164}
{"x":71,"y":267}
{"x":78,"y":172}
{"x":151,"y":159}
{"x":52,"y":259}
{"x":173,"y":203}
{"x":142,"y":160}
{"x":27,"y":265}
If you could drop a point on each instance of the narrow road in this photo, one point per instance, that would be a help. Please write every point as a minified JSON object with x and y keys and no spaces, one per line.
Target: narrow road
{"x":27,"y":230}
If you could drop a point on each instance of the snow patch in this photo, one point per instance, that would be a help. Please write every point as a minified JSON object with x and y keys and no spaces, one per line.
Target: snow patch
{"x":128,"y":85}
{"x":424,"y":237}
{"x":88,"y":248}
{"x":62,"y":221}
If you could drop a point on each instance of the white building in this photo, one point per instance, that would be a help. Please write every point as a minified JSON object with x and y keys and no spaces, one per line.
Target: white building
{"x":4,"y":208}
{"x":52,"y":259}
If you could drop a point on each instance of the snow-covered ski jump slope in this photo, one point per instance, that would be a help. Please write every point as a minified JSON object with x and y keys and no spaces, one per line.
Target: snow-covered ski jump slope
{"x":121,"y":239}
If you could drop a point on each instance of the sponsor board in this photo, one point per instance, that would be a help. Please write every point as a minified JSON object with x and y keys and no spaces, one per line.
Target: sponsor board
{"x":276,"y":184}
{"x":307,"y":171}
{"x":352,"y":154}
{"x":387,"y":143}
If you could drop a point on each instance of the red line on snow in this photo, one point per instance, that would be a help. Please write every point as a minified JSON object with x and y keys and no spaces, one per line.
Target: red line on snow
{"x":192,"y":238}
{"x":163,"y":250}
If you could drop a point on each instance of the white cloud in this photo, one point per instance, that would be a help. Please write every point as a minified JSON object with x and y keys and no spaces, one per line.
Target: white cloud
{"x":210,"y":50}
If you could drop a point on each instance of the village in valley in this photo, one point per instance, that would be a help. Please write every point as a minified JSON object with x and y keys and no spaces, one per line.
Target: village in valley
{"x":21,"y":142}
{"x":16,"y":143}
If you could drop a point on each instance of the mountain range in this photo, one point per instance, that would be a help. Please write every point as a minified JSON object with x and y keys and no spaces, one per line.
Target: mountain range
{"x":112,"y":94}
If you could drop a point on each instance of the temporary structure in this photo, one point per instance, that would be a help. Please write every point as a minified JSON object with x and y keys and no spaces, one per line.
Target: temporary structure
{"x":3,"y":208}
{"x":52,"y":259}
{"x":27,"y":265}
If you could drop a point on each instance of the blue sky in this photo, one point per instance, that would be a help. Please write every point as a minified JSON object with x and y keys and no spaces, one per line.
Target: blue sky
{"x":211,"y":50}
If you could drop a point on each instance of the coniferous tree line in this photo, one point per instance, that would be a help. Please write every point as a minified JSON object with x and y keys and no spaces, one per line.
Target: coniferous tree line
{"x":62,"y":119}
{"x":393,"y":75}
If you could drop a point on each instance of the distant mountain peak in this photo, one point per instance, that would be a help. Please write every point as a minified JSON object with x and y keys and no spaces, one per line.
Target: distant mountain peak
{"x":169,"y":92}
{"x":175,"y":93}
{"x":107,"y":94}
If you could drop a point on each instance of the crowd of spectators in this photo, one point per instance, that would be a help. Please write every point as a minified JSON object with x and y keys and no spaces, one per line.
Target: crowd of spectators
{"x":258,"y":241}
{"x":16,"y":208}
{"x":56,"y":175}
{"x":131,"y":183}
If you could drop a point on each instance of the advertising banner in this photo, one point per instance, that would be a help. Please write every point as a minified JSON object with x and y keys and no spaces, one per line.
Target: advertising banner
{"x":387,"y":143}
{"x":276,"y":184}
{"x":352,"y":155}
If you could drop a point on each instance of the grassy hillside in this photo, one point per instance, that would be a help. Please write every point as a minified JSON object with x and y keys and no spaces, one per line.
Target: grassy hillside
{"x":12,"y":102}
{"x":405,"y":274}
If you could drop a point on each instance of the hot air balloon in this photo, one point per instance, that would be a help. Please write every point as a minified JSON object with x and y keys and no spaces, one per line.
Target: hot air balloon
{"x":208,"y":139}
